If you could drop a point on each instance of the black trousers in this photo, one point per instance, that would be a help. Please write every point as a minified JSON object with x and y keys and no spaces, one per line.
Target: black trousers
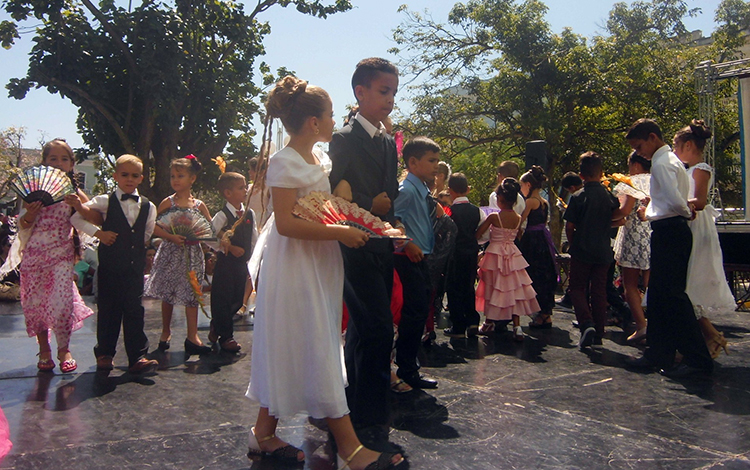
{"x":120,"y":302}
{"x":369,"y":335}
{"x":227,"y":293}
{"x":415,"y":277}
{"x":462,"y":275}
{"x":672,"y":325}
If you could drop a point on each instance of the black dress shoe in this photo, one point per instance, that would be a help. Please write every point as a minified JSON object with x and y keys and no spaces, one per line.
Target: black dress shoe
{"x":454,"y":332}
{"x":640,"y":363}
{"x":376,"y":438}
{"x":417,"y":381}
{"x":684,"y":371}
{"x":192,"y":348}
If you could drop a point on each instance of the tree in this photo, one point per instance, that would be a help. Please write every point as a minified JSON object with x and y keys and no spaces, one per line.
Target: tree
{"x":160,"y":81}
{"x":497,"y":77}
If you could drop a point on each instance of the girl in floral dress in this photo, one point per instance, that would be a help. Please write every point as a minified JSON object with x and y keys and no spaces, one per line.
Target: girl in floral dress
{"x":49,"y":295}
{"x":633,"y":242}
{"x":174,"y":258}
{"x":504,"y":292}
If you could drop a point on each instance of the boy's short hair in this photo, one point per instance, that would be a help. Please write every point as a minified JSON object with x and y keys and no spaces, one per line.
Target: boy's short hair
{"x":591,"y":164}
{"x":227,"y":180}
{"x":368,"y":69}
{"x":509,"y":169}
{"x":642,"y":128}
{"x":127,"y":158}
{"x":458,"y":183}
{"x":417,"y":147}
{"x":571,"y":179}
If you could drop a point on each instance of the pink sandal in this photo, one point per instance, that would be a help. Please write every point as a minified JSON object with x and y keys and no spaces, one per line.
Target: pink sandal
{"x":45,"y":365}
{"x":66,"y":366}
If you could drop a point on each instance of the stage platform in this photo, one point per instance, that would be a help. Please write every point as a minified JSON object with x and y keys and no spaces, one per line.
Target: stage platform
{"x":541,"y":404}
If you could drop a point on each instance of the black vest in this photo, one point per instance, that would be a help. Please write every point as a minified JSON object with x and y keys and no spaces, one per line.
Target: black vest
{"x":243,"y":234}
{"x":467,"y":220}
{"x":127,"y":255}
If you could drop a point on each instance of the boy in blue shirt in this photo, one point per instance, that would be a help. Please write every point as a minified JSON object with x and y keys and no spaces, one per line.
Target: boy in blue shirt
{"x":416,"y":209}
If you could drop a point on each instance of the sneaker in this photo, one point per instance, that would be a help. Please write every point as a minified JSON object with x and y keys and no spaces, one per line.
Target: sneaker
{"x":587,"y":338}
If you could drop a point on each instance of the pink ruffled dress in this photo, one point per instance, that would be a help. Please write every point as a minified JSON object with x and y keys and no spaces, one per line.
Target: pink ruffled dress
{"x":504,"y":286}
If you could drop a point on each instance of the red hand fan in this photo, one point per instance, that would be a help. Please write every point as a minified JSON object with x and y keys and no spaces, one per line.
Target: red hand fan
{"x":325,"y":208}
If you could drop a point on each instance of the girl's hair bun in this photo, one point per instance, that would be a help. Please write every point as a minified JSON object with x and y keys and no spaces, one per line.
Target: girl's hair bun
{"x":282,"y":97}
{"x":699,"y":128}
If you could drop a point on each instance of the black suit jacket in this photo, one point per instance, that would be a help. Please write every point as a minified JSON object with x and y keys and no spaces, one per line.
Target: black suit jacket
{"x":368,"y":170}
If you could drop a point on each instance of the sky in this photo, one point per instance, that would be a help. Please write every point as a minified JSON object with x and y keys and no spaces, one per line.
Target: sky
{"x":323,"y":52}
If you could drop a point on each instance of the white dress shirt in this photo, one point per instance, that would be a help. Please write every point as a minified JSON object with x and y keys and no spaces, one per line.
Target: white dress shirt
{"x":669,"y":186}
{"x":370,"y":127}
{"x":130,"y":208}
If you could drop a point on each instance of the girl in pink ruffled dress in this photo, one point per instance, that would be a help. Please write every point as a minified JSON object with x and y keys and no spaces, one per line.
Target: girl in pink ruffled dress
{"x":49,"y":296}
{"x":504,"y":292}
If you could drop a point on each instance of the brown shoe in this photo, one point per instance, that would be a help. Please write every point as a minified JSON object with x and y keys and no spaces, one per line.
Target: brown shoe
{"x":143,"y":366}
{"x":230,"y":345}
{"x":105,"y":363}
{"x":212,"y":336}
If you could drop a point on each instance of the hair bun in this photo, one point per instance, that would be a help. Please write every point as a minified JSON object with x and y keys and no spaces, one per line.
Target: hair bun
{"x":281,"y":99}
{"x":538,"y":173}
{"x":699,"y":128}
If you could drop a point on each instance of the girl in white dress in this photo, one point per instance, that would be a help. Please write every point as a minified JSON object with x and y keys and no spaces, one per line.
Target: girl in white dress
{"x":706,"y":283}
{"x":297,"y":360}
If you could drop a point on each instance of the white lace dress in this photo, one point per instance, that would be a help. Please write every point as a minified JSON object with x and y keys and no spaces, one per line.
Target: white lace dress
{"x":633,"y":243}
{"x":298,"y":360}
{"x":706,"y":282}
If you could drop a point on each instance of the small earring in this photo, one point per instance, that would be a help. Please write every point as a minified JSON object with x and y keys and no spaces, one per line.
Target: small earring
{"x":317,"y":131}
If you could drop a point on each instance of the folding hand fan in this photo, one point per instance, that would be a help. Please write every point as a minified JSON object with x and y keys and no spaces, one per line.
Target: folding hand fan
{"x":326,"y":208}
{"x":187,"y":222}
{"x":42,"y":183}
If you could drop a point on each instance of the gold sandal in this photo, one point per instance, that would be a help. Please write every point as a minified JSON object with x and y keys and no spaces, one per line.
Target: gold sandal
{"x":286,"y":454}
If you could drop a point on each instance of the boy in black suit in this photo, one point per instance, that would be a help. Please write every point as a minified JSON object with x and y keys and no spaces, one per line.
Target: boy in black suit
{"x":365,"y":156}
{"x":230,"y":275}
{"x":128,"y":222}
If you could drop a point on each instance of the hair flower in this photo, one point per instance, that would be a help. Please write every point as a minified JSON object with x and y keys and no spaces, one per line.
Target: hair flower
{"x":190,"y":157}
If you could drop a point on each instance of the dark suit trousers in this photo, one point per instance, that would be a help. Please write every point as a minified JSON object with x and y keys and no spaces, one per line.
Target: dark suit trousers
{"x":587,"y":279}
{"x":415,"y":278}
{"x":227,"y":293}
{"x":369,"y":334}
{"x":462,"y":275}
{"x":671,"y":321}
{"x":120,"y":301}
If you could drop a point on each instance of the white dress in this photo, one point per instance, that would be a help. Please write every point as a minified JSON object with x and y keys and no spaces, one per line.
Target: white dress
{"x":706,"y":282}
{"x":298,"y":359}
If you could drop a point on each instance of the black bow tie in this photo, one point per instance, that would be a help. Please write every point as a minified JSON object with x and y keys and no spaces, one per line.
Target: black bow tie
{"x":125,"y":197}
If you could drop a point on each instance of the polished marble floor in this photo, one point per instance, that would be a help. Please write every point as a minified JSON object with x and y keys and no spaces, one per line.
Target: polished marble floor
{"x":540,"y":404}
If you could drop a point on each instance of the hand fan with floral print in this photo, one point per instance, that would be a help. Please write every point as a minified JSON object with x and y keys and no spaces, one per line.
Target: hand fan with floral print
{"x":187,"y":222}
{"x":42,"y":183}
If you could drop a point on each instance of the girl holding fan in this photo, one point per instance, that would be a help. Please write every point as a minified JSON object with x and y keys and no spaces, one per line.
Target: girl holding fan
{"x":169,"y":280}
{"x":49,"y":295}
{"x":297,"y":359}
{"x":706,"y":283}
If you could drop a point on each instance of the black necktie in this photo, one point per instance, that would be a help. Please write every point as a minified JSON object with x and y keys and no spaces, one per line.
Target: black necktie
{"x":125,"y":197}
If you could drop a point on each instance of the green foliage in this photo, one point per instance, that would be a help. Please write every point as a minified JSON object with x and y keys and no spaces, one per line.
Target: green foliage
{"x":160,"y":81}
{"x":497,"y":77}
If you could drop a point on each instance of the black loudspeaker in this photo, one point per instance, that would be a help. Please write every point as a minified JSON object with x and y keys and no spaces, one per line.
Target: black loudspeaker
{"x":536,"y":154}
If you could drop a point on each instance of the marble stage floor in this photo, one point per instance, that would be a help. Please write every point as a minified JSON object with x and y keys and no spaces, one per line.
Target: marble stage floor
{"x":540,"y":404}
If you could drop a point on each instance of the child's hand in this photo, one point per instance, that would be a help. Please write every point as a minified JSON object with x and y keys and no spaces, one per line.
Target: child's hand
{"x":178,"y":240}
{"x":32,"y":210}
{"x":73,"y":201}
{"x":641,"y":213}
{"x":106,"y":237}
{"x":413,"y":252}
{"x":381,"y":204}
{"x":352,"y":237}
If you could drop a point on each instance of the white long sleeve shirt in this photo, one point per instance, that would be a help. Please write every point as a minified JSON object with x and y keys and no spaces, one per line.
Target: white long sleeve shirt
{"x":130,"y":207}
{"x":669,"y":186}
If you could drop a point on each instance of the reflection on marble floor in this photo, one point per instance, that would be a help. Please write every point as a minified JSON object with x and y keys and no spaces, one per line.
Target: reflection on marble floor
{"x":500,"y":404}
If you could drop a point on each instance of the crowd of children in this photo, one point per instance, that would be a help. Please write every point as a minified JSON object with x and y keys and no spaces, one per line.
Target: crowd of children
{"x":298,"y":361}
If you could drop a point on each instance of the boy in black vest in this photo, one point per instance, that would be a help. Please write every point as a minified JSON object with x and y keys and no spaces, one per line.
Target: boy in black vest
{"x":236,"y":246}
{"x":462,"y":272}
{"x":128,"y":222}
